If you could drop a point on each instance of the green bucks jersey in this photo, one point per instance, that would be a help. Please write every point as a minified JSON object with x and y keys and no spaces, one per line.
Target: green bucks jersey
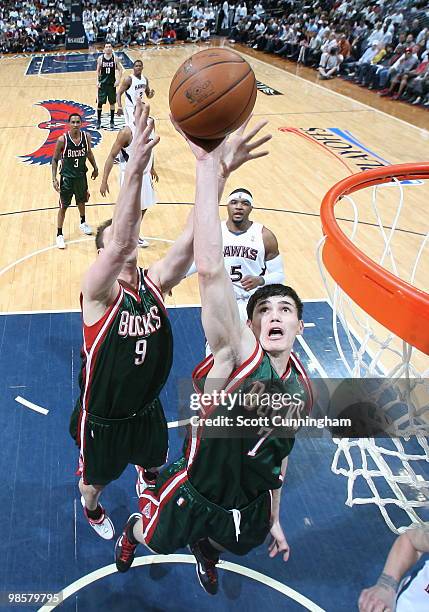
{"x":127,"y":355}
{"x":107,"y":71}
{"x":233,"y":469}
{"x":74,"y":156}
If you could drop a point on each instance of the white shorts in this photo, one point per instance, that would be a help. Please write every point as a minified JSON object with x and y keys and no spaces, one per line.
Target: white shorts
{"x":129,"y":115}
{"x":148,"y":197}
{"x":242,"y":308}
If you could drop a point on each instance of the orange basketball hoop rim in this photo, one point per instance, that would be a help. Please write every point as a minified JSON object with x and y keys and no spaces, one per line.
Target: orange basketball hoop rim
{"x":396,"y":304}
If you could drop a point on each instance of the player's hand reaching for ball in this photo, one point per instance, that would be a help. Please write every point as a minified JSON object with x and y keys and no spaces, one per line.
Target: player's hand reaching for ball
{"x":241,"y":148}
{"x":198,"y":146}
{"x":143,"y":142}
{"x":378,"y":598}
{"x":278,"y":543}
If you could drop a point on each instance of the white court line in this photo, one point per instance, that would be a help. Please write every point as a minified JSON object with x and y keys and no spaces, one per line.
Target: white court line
{"x":154,"y":559}
{"x":28,"y":404}
{"x":172,"y":424}
{"x":312,"y":357}
{"x":325,"y":89}
{"x":125,"y":54}
{"x":40,"y":67}
{"x":28,"y":66}
{"x":30,"y":255}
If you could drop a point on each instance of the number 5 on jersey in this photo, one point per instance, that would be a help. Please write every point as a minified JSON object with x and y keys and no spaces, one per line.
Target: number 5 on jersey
{"x":236,"y":274}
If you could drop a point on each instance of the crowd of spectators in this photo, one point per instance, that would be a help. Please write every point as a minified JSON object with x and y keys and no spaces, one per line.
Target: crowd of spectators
{"x":145,"y":23}
{"x":27,"y":26}
{"x":379,"y":44}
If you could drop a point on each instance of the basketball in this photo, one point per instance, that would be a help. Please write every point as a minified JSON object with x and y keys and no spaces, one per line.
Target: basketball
{"x":212,"y":93}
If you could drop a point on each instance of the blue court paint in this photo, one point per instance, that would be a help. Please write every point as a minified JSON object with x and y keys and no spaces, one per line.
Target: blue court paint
{"x":336,"y":550}
{"x":78,"y":62}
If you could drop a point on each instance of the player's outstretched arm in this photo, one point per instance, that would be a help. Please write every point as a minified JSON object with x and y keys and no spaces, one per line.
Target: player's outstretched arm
{"x":100,"y":281}
{"x":124,"y":85}
{"x":123,"y":139}
{"x":230,"y":341}
{"x":404,"y":553}
{"x":219,"y":310}
{"x":239,"y":149}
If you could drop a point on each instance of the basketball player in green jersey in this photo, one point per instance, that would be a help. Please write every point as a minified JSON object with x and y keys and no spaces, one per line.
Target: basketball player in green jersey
{"x":73,"y":149}
{"x":224,"y":493}
{"x":109,"y":73}
{"x":127,"y":350}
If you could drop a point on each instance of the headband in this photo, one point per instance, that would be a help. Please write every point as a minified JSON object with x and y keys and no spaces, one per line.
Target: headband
{"x":240,"y":195}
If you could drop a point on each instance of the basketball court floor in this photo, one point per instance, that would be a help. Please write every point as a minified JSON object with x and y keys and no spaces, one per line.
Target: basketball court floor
{"x":319,"y":137}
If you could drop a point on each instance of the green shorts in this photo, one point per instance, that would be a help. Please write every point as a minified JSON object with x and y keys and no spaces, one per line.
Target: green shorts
{"x":176,"y":515}
{"x":77,"y":187}
{"x":107,"y":446}
{"x":107,"y":92}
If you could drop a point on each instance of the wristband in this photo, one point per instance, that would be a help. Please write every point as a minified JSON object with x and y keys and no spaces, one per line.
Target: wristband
{"x":387,"y":582}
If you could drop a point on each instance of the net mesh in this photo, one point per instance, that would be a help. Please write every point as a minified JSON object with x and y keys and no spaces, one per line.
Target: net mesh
{"x":392,"y":473}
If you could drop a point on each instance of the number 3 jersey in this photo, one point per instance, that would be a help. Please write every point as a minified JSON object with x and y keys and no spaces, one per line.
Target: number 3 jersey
{"x":127,"y":355}
{"x":244,"y":254}
{"x":74,"y":156}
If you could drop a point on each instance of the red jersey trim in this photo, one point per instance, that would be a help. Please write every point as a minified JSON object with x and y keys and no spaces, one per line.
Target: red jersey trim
{"x":165,"y":494}
{"x":305,"y":378}
{"x":90,"y":332}
{"x":155,"y":290}
{"x":129,"y":289}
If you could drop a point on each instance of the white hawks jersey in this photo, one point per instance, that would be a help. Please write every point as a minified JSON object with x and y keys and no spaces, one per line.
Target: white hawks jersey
{"x":244,"y":254}
{"x":125,"y":153}
{"x":415,"y":596}
{"x":134,"y":91}
{"x":147,"y":192}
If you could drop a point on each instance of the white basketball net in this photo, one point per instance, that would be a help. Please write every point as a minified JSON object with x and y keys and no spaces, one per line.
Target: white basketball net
{"x":392,"y":473}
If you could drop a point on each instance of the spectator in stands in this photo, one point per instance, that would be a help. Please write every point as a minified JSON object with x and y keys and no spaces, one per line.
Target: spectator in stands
{"x":381,"y":77}
{"x":330,"y":63}
{"x":169,"y":35}
{"x":344,"y":47}
{"x":418,"y":84}
{"x":366,"y":70}
{"x":142,"y":37}
{"x":400,"y":72}
{"x":205,"y":34}
{"x":193,"y":31}
{"x":155,"y":36}
{"x":350,"y":66}
{"x":313,"y":54}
